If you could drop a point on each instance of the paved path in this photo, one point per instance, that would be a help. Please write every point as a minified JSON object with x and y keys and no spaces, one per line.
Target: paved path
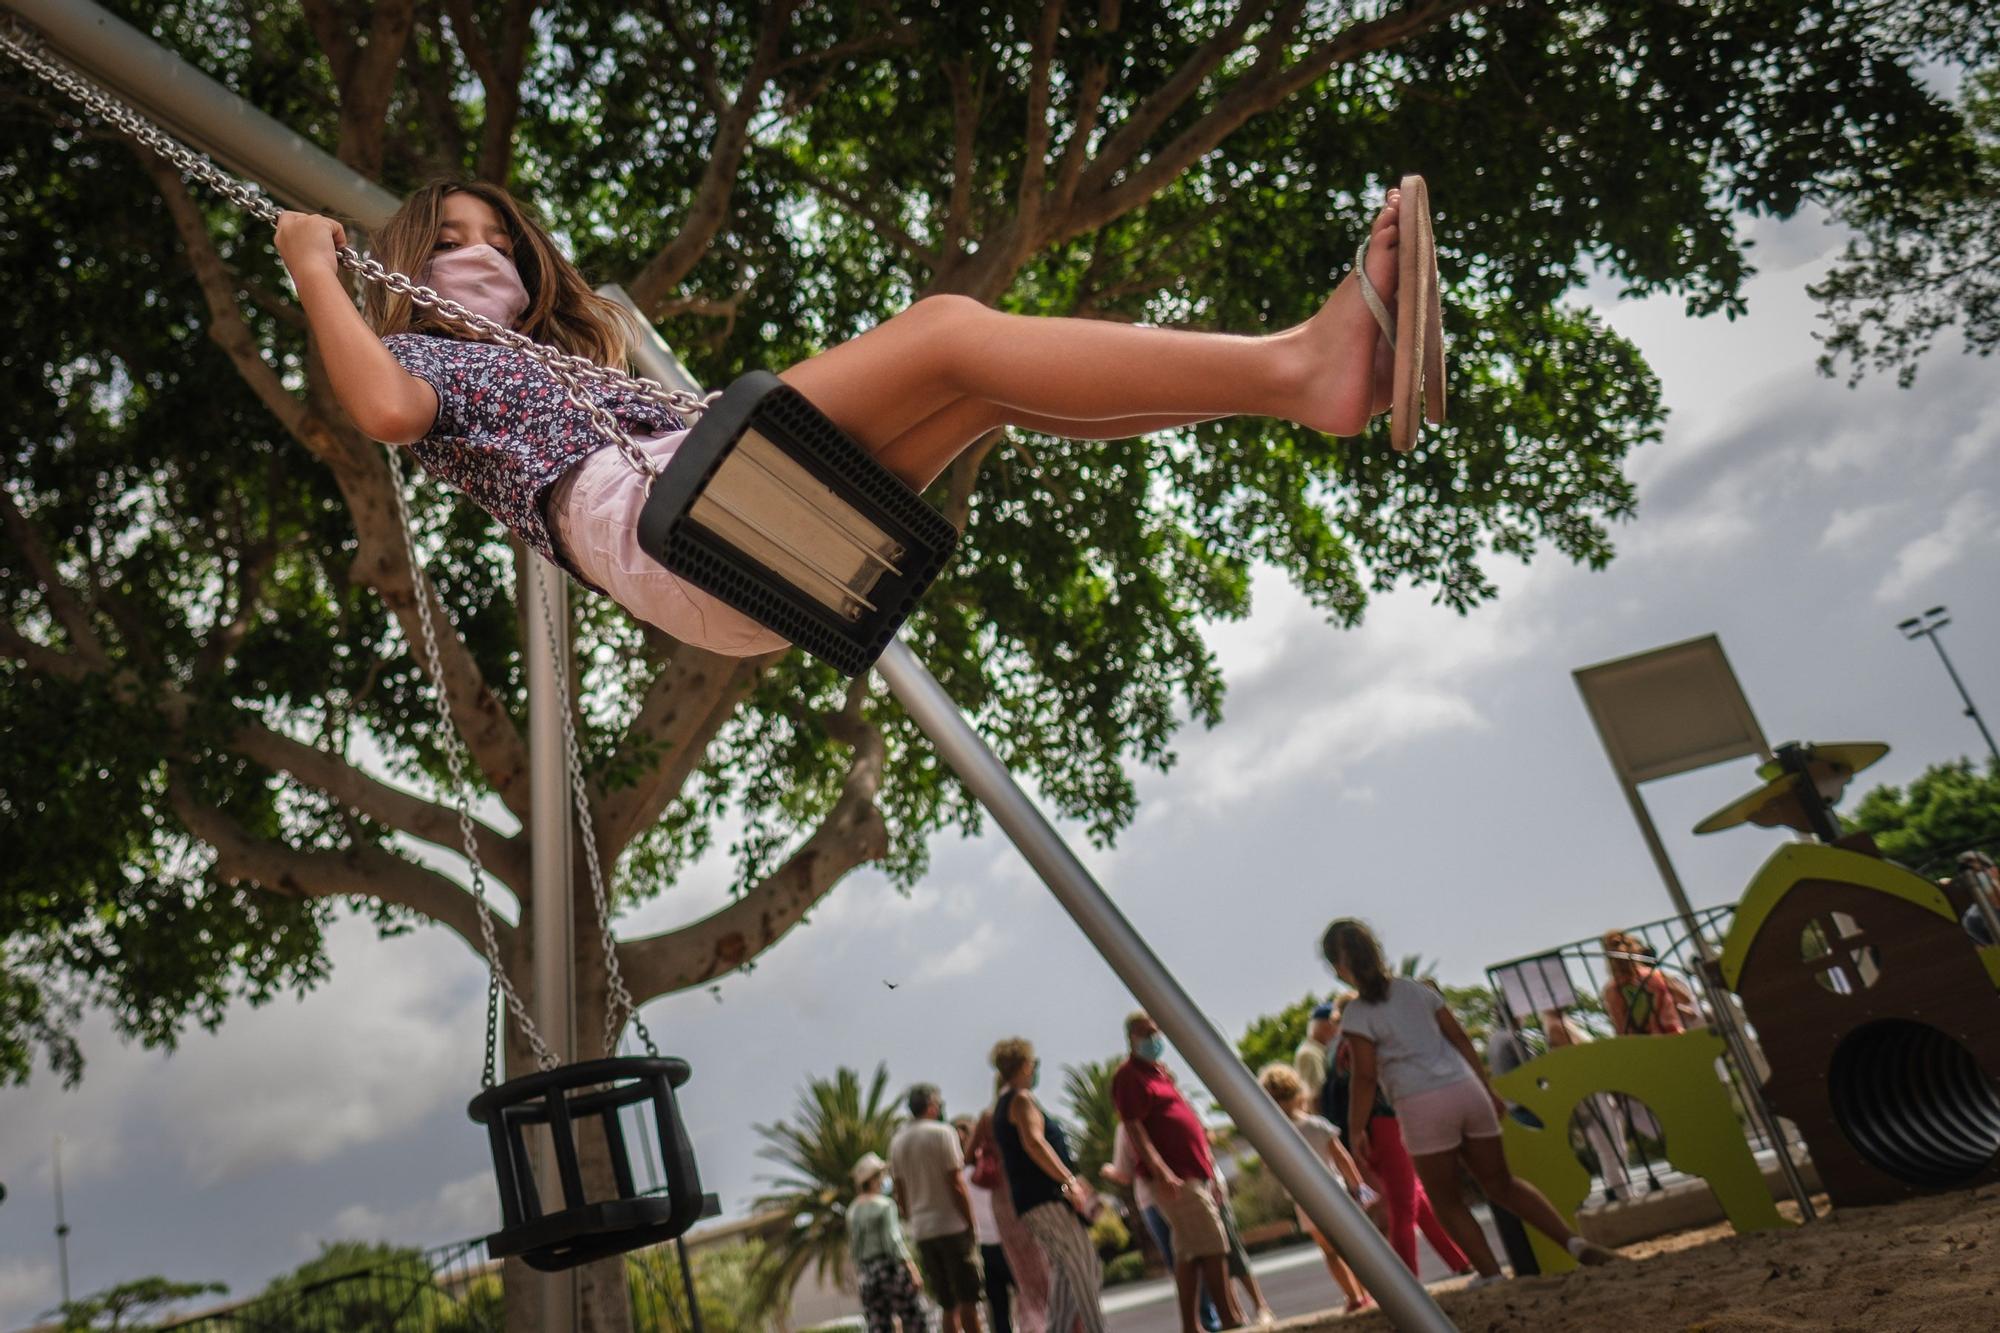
{"x":1295,"y":1282}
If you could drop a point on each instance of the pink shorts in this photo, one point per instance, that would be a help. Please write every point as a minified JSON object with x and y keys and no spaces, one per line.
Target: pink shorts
{"x":1442,"y":1118}
{"x":596,"y":516}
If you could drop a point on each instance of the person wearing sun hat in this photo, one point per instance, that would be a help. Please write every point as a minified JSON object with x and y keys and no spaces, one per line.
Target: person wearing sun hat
{"x":890,"y":1289}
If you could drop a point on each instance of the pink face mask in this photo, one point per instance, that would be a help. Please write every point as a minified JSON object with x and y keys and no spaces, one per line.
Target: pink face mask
{"x":481,"y":279}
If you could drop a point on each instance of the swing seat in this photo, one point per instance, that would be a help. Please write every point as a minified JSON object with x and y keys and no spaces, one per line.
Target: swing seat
{"x":771,"y":508}
{"x":560,"y":1099}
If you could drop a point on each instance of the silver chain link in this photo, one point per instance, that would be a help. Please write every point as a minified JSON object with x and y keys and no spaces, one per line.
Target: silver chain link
{"x":572,"y":373}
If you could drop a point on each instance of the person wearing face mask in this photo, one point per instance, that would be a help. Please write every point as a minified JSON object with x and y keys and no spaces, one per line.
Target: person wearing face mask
{"x":1051,"y":1200}
{"x":915,"y":392}
{"x":1173,"y":1156}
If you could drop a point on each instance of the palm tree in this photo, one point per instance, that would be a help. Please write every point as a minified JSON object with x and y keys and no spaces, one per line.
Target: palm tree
{"x":1093,"y":1120}
{"x":833,"y":1128}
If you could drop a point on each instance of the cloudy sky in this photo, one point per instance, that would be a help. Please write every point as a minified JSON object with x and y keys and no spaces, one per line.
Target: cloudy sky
{"x":1435,"y":773}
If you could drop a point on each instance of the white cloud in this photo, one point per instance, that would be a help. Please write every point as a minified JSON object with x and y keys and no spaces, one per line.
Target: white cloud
{"x":464,"y":1207}
{"x":1967,"y":526}
{"x":964,"y":958}
{"x":394,"y":1036}
{"x":1848,"y":526}
{"x":27,"y":1289}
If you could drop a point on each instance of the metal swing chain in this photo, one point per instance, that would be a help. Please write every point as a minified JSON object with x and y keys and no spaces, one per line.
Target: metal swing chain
{"x":454,"y":755}
{"x":571,"y":372}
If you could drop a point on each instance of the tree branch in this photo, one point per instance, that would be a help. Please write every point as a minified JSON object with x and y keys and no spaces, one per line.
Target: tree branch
{"x":224,"y":640}
{"x":1269,"y":83}
{"x":1095,"y":79}
{"x":227,"y":328}
{"x":1159,"y":107}
{"x":1035,"y":135}
{"x":378,"y":800}
{"x":709,"y":209}
{"x":357,"y":871}
{"x":864,"y":205}
{"x":688,"y":702}
{"x":965,"y":127}
{"x":62,"y":603}
{"x":499,"y":74}
{"x":852,"y":834}
{"x":40,"y":657}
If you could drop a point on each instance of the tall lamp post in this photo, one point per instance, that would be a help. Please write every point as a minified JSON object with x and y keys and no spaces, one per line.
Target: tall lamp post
{"x":1926,"y":626}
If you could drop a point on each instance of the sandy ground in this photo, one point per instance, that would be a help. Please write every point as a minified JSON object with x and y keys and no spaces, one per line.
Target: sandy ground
{"x":1930,"y":1264}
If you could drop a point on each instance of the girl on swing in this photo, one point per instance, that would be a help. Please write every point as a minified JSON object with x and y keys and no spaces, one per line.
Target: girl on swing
{"x":915,"y":391}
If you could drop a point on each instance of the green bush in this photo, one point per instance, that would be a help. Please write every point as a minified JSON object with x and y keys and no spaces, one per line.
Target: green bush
{"x":1108,"y":1233}
{"x":1257,"y":1197}
{"x":1127,"y":1267}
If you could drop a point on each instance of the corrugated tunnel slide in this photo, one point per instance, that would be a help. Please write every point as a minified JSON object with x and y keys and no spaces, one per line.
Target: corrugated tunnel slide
{"x":1914,"y":1102}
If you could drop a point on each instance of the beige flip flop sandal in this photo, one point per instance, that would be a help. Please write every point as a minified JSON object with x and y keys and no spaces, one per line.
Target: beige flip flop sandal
{"x":1419,"y":372}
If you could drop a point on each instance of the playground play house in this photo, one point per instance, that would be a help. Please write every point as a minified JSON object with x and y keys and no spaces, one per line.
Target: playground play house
{"x":1877,"y":1016}
{"x":1880,"y":1020}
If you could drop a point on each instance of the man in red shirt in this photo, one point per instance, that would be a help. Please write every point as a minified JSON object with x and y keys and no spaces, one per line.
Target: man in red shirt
{"x":1172,"y":1149}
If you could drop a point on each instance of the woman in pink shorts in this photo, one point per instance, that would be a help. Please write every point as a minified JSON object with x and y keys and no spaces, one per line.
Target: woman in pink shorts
{"x":1404,"y":1037}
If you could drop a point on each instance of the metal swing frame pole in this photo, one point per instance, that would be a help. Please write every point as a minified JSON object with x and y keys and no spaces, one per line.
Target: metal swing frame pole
{"x":202,"y":112}
{"x":1308,"y":1180}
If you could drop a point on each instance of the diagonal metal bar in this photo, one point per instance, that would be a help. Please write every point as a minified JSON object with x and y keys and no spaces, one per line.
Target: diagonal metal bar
{"x":1307,"y":1178}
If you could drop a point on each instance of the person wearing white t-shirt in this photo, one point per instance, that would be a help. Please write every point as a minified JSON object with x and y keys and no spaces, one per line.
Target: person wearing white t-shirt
{"x":932,"y":1195}
{"x":1404,"y":1037}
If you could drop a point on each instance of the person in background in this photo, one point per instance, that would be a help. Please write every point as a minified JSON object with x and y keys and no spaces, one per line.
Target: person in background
{"x":1052,"y":1201}
{"x":1638,"y":996}
{"x":1601,"y":1114}
{"x":1386,"y":1166}
{"x":1979,"y":878}
{"x":1123,"y":1171}
{"x":1309,"y":1061}
{"x":932,"y":1198}
{"x":890,"y":1288}
{"x":1284,"y":1086}
{"x":1238,"y":1258}
{"x":979,"y":1186}
{"x":1172,"y":1151}
{"x":1506,"y":1051}
{"x":1030,"y":1297}
{"x":1404,"y":1037}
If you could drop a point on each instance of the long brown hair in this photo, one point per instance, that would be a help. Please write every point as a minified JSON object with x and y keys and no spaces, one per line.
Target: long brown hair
{"x":1626,"y":958}
{"x":1350,"y":943}
{"x":562,"y":309}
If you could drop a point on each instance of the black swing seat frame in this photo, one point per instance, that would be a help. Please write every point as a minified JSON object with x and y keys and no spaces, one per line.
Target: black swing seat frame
{"x":806,"y":533}
{"x":584,"y":1230}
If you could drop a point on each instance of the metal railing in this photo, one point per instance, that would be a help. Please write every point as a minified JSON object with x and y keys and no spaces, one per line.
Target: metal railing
{"x":1572,"y":979}
{"x":451,"y":1289}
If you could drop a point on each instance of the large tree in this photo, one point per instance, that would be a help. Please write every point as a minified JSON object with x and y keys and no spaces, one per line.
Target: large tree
{"x":216,"y":729}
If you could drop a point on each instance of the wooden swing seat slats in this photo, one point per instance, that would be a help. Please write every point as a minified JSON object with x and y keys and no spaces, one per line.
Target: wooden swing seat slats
{"x":772,"y":508}
{"x":560,"y":1099}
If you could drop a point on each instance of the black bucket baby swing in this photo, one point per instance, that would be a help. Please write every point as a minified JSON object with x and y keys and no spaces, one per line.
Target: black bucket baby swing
{"x":768,"y":506}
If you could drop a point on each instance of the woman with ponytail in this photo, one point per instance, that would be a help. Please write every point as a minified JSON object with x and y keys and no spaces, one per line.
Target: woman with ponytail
{"x":1404,"y":1040}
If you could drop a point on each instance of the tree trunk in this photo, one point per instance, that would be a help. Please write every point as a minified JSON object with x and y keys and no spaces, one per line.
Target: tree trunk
{"x":603,"y":1300}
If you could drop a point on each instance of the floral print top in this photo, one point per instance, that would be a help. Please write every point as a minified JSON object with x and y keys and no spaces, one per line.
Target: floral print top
{"x":506,"y":430}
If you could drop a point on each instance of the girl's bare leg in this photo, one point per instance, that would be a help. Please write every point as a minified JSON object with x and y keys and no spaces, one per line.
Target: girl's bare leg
{"x":1439,"y":1173}
{"x":1330,"y":373}
{"x":927,"y":448}
{"x":1343,"y":1276}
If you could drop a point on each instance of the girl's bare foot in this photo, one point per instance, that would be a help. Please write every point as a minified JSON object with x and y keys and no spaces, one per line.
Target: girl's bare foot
{"x":1347,"y":364}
